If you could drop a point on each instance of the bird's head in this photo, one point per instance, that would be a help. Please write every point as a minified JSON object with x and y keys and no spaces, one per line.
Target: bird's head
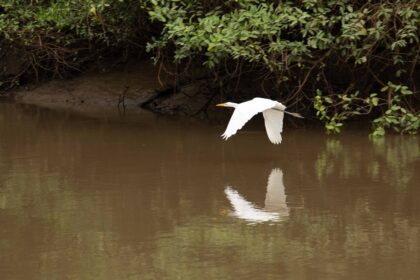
{"x":227,"y":104}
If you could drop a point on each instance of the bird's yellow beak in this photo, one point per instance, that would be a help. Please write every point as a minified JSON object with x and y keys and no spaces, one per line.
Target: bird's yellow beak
{"x":221,"y":105}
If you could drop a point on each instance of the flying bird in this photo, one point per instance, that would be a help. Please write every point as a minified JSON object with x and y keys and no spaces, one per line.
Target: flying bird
{"x":273,"y":112}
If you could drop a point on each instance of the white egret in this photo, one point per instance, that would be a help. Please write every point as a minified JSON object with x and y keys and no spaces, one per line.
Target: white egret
{"x":275,"y":207}
{"x":273,"y":112}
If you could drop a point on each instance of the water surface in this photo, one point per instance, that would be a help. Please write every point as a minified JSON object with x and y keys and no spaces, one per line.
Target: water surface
{"x":84,"y":198}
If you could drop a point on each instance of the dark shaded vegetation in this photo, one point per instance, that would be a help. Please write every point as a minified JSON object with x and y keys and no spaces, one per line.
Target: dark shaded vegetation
{"x":338,"y":60}
{"x":49,"y":39}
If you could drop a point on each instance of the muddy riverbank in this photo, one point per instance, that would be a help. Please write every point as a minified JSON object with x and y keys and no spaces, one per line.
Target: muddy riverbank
{"x":132,"y":89}
{"x":96,"y":91}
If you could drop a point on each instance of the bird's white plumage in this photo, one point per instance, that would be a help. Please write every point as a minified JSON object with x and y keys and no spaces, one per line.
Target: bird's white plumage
{"x":275,"y":207}
{"x":273,"y":120}
{"x":275,"y":198}
{"x":245,"y":210}
{"x":273,"y":113}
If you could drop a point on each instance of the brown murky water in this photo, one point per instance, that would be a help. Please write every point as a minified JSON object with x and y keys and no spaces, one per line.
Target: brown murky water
{"x":157,"y":199}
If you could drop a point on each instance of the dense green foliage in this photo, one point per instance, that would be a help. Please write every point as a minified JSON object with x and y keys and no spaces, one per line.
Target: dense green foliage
{"x":336,"y":55}
{"x":344,"y":49}
{"x":283,"y":35}
{"x":55,"y":37}
{"x":334,"y":111}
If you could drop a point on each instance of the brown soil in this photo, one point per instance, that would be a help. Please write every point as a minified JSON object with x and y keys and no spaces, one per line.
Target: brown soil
{"x":100,"y":92}
{"x":129,"y":91}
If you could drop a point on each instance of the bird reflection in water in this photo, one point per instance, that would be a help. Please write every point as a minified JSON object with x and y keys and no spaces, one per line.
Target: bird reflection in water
{"x":275,"y":207}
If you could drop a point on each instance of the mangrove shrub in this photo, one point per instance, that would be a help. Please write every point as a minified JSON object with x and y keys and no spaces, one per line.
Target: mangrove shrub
{"x":337,"y":59}
{"x":55,"y":37}
{"x":346,"y":57}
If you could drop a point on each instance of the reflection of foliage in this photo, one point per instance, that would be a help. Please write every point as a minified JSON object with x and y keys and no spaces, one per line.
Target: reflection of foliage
{"x":325,"y":244}
{"x":399,"y":155}
{"x":323,"y":164}
{"x":384,"y":156}
{"x":109,"y":221}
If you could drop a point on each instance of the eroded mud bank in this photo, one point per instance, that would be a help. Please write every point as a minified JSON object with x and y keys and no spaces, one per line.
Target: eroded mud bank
{"x":132,"y":90}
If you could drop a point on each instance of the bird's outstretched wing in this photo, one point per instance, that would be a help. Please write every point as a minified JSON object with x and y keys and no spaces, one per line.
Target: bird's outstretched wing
{"x":273,"y":120}
{"x":244,"y":112}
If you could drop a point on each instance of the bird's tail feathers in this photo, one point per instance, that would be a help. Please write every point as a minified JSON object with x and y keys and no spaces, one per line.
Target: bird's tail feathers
{"x":297,"y":115}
